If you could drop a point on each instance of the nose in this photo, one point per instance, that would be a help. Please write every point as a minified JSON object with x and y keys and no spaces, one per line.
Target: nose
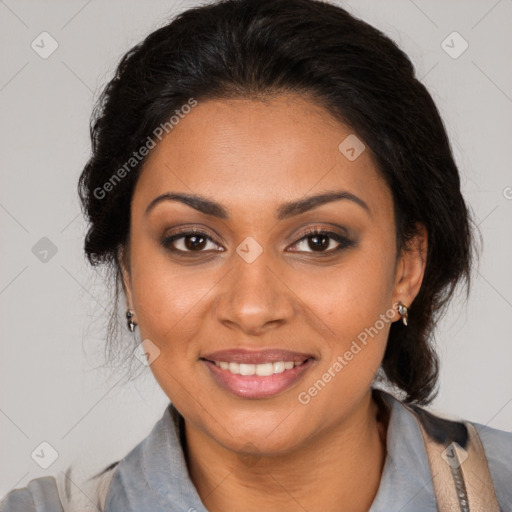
{"x":254,"y":298}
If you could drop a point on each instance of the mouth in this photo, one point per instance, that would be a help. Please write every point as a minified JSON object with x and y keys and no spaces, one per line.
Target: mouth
{"x":261,"y":370}
{"x":260,"y":374}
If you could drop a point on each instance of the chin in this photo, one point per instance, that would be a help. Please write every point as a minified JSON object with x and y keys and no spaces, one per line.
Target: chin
{"x":264,"y":433}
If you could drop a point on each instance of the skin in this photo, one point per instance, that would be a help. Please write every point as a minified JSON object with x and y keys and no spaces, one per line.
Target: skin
{"x":273,"y":454}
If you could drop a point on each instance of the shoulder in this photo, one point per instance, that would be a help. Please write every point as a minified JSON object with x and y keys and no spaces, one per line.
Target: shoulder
{"x":497,"y":445}
{"x":39,"y":494}
{"x":483,"y":454}
{"x":66,"y":492}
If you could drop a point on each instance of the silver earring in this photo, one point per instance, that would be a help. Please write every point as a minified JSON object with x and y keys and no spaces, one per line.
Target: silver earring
{"x":131,"y":323}
{"x":403,"y":312}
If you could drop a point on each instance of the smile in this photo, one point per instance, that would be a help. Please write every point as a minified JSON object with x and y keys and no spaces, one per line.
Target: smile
{"x":257,"y":380}
{"x":262,"y":370}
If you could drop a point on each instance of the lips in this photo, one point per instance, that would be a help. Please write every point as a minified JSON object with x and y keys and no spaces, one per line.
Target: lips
{"x":257,"y":357}
{"x":259,"y":374}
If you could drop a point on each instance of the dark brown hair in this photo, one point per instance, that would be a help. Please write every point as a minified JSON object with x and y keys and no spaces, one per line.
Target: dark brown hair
{"x":254,"y":48}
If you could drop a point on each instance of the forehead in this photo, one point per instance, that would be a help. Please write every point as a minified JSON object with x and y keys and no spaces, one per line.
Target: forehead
{"x":253,"y":154}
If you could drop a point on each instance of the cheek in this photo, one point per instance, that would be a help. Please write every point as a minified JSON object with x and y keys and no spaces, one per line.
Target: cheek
{"x":169,"y":305}
{"x":352,"y":295}
{"x":359,"y":316}
{"x":354,"y":301}
{"x":163,"y":299}
{"x":168,"y":299}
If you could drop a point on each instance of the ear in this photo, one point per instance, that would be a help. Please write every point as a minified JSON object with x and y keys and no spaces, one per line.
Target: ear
{"x":411,"y":267}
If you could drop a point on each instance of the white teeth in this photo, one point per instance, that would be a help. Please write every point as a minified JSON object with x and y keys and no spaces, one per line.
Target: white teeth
{"x":247,"y":369}
{"x":262,"y":370}
{"x":279,"y":367}
{"x":234,"y":368}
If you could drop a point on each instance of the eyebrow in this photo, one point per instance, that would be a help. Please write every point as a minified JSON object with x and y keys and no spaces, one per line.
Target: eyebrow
{"x":284,"y":211}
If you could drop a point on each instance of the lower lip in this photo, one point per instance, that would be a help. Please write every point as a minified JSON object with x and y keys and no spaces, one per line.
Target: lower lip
{"x":253,"y":386}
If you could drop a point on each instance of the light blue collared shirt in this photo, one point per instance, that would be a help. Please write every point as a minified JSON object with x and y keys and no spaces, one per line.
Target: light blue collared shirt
{"x":153,"y":477}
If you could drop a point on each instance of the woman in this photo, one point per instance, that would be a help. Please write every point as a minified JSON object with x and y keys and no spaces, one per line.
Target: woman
{"x":276,"y":194}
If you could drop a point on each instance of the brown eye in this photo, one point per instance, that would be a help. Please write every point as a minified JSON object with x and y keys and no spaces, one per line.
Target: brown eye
{"x":318,"y":242}
{"x":322,"y":242}
{"x":188,"y":242}
{"x":194,"y":242}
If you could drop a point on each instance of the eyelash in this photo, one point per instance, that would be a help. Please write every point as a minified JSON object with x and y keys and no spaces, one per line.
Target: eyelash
{"x":343,"y":241}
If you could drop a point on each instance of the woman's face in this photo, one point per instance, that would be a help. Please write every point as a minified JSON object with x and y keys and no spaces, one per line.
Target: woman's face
{"x":253,"y":281}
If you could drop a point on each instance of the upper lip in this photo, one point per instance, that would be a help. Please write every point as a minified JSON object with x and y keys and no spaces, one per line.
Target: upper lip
{"x":256,"y":357}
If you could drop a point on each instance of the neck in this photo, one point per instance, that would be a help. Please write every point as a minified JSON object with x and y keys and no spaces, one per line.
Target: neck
{"x":338,"y":469}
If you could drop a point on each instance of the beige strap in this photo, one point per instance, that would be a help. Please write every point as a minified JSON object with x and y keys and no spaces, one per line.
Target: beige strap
{"x":461,"y":478}
{"x":480,"y":488}
{"x":103,"y":487}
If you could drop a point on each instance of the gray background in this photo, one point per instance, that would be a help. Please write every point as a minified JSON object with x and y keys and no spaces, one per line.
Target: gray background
{"x":52,"y":313}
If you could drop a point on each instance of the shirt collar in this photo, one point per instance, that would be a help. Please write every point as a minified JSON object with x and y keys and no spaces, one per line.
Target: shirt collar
{"x":406,"y":483}
{"x":154,"y":475}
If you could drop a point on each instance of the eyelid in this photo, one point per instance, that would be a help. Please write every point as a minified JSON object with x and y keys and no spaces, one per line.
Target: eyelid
{"x":323,"y":229}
